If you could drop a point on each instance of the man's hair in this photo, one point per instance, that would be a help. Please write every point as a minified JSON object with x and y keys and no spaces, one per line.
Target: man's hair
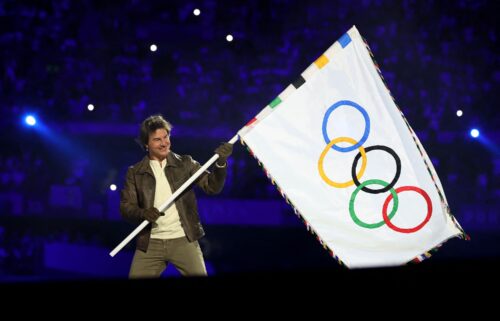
{"x":150,"y":125}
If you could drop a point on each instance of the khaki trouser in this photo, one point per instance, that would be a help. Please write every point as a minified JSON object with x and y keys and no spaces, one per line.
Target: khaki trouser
{"x":184,"y":255}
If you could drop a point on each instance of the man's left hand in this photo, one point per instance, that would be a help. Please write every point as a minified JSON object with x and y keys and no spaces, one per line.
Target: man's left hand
{"x":224,"y":151}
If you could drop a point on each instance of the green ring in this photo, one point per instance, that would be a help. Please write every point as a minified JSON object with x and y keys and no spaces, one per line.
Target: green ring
{"x":353,"y":197}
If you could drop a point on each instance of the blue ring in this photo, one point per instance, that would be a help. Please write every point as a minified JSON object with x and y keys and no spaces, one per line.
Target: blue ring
{"x":365,"y":134}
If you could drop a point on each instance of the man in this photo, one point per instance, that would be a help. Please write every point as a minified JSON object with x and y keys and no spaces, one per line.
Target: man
{"x":172,"y":236}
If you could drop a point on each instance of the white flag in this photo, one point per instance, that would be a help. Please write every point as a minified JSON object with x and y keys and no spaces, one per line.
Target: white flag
{"x":343,"y":155}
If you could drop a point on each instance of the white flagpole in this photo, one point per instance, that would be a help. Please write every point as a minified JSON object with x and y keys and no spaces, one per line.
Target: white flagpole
{"x":170,"y":200}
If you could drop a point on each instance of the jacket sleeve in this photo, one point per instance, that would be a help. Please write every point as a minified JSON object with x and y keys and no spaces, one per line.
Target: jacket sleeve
{"x":211,"y":182}
{"x":129,"y":208}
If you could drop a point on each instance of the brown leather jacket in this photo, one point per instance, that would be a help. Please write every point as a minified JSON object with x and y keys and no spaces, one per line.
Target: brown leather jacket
{"x":139,"y":192}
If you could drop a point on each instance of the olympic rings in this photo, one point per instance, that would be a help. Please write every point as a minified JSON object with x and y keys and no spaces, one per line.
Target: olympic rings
{"x":355,"y":193}
{"x":407,"y":230}
{"x":362,"y":186}
{"x":394,"y":180}
{"x":367,"y":125}
{"x":325,"y":151}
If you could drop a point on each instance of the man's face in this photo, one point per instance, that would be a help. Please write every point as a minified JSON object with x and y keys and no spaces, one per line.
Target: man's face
{"x":159,"y":144}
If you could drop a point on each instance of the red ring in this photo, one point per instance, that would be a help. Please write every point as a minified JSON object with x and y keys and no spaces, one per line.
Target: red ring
{"x":416,"y":228}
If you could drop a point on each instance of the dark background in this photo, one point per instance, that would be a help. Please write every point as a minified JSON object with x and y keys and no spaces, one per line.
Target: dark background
{"x":58,"y":217}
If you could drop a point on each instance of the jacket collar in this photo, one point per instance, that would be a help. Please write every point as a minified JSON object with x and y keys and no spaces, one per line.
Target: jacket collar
{"x":173,"y":160}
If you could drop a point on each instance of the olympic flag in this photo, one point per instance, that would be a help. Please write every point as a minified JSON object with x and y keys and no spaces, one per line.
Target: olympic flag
{"x":342,"y":154}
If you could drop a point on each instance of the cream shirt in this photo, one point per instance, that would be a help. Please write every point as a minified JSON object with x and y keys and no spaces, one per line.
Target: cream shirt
{"x":169,"y":225}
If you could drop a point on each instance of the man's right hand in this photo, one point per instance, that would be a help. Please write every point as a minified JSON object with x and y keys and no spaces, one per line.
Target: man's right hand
{"x":152,"y":214}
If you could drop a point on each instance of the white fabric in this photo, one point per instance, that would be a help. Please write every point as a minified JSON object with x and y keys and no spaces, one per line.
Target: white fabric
{"x":289,"y":141}
{"x":169,"y":225}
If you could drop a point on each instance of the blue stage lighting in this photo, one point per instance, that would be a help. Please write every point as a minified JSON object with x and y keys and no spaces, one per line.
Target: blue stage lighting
{"x":474,"y":133}
{"x":30,"y":120}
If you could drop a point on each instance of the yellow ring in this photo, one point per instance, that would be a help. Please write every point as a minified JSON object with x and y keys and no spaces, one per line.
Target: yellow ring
{"x":325,"y":151}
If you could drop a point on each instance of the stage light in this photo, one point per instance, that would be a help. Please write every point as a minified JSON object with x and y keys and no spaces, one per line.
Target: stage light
{"x":460,"y":113}
{"x":112,"y":187}
{"x":196,"y":12}
{"x":30,"y":120}
{"x":229,"y":38}
{"x":153,"y":48}
{"x":90,"y":107}
{"x":474,"y":133}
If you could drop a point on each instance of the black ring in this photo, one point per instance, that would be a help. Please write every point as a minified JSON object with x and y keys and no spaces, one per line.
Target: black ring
{"x":391,"y":184}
